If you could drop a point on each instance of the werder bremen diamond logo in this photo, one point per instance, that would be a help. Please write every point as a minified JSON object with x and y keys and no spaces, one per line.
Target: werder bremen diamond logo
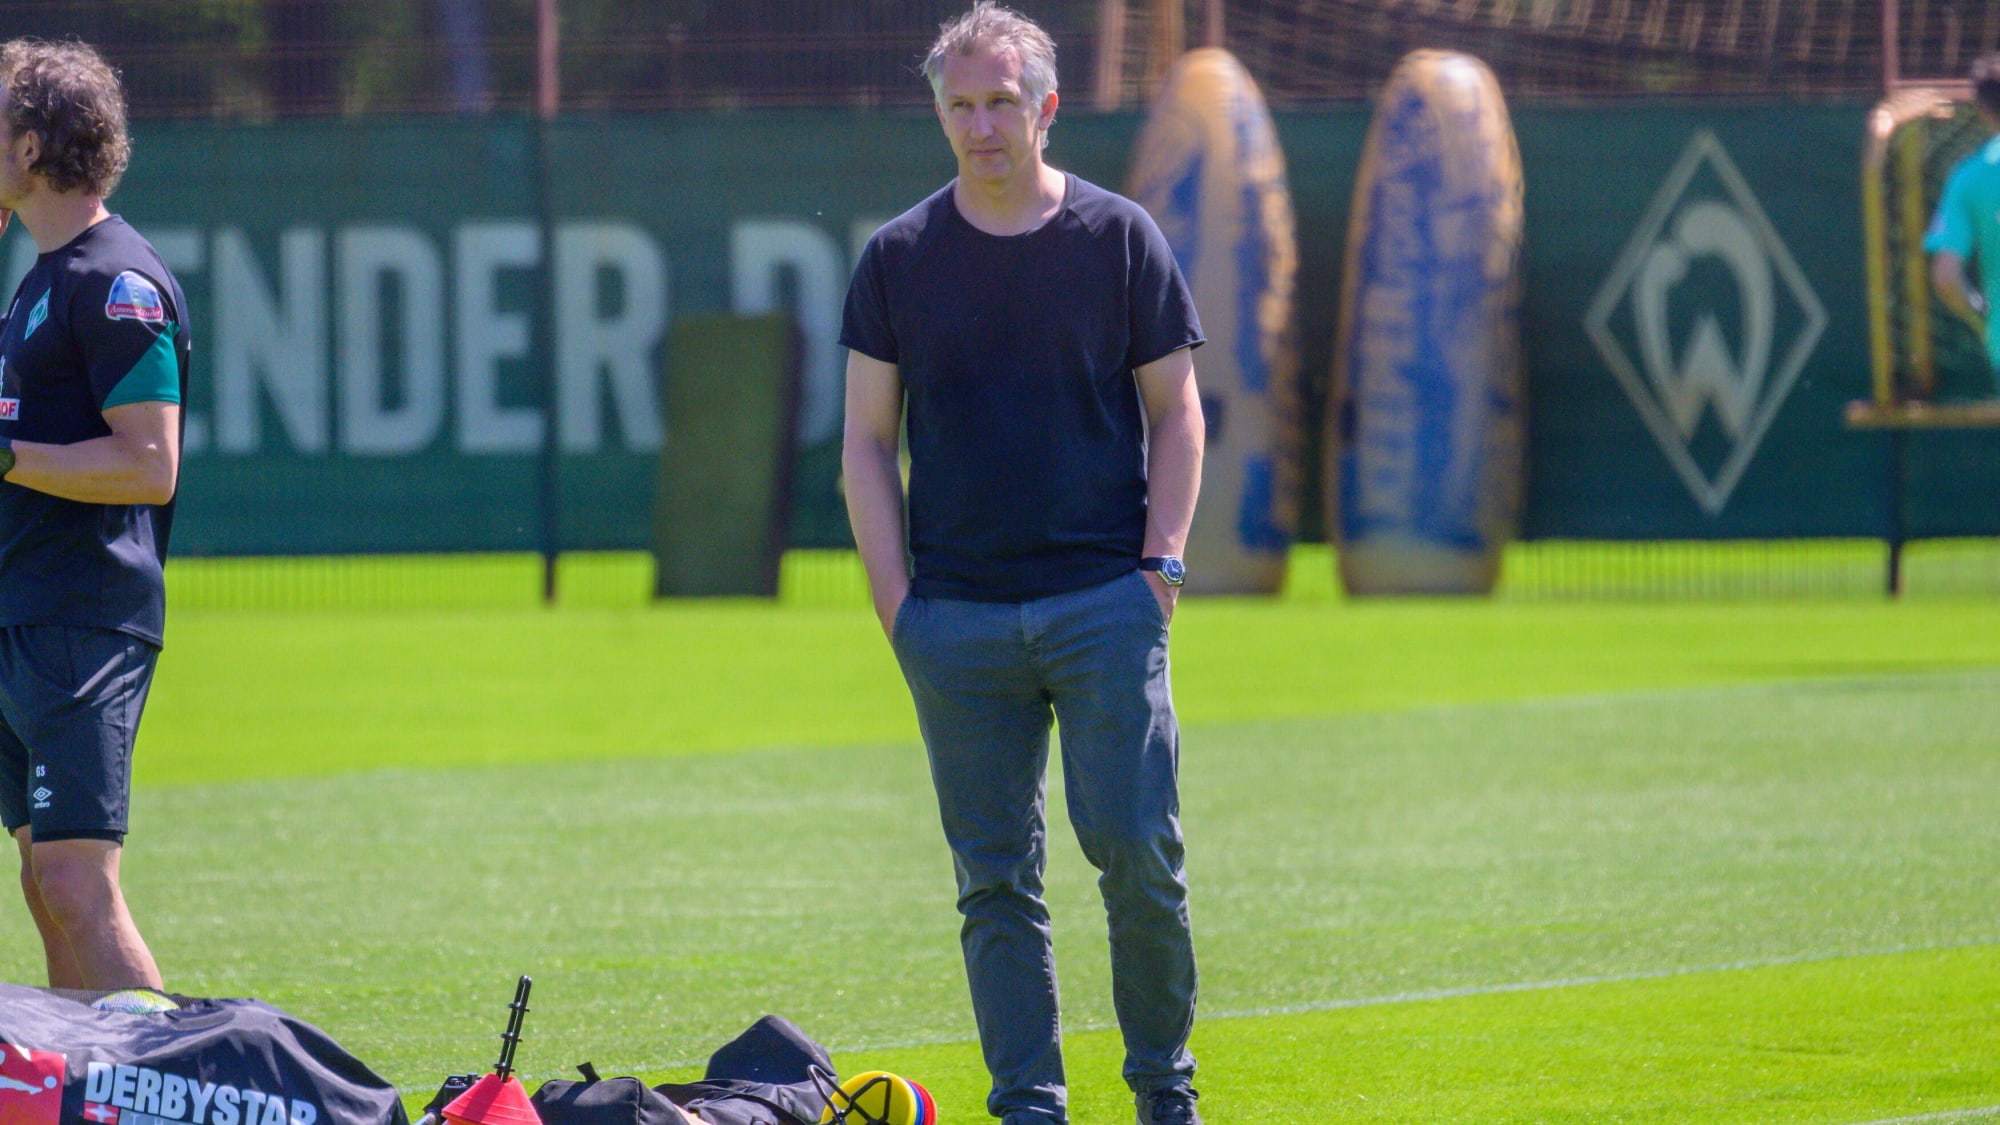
{"x":1706,"y":321}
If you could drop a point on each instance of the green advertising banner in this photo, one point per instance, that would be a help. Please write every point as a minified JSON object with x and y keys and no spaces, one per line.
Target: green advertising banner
{"x":368,"y":335}
{"x":1696,"y":324}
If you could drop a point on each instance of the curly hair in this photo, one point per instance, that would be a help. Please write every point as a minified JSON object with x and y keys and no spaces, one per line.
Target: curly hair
{"x":66,"y":94}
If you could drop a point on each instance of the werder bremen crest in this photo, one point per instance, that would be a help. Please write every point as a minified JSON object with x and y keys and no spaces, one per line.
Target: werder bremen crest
{"x":1706,"y":321}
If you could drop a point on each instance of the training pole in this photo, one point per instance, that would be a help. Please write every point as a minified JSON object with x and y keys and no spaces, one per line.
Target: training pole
{"x":548,"y":99}
{"x":1892,"y":51}
{"x":1110,"y":54}
{"x":511,"y":1038}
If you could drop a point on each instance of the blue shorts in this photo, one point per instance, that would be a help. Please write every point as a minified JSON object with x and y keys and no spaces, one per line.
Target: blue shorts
{"x":70,"y":700}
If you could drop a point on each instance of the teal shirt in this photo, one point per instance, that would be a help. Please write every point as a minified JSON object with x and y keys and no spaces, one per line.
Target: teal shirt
{"x":1968,"y":224}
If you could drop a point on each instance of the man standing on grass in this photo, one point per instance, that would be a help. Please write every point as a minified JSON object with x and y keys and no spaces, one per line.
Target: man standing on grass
{"x":1967,"y":224}
{"x":1039,"y":333}
{"x":93,"y":369}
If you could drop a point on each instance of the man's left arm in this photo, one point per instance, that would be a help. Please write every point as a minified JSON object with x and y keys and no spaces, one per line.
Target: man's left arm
{"x":138,"y":462}
{"x":1175,"y":434}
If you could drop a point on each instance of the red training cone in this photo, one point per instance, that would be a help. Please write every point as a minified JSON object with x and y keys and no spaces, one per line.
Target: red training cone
{"x":493,"y":1101}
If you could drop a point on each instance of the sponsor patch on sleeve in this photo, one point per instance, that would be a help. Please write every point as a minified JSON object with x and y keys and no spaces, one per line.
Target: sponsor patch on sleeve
{"x":135,"y":298}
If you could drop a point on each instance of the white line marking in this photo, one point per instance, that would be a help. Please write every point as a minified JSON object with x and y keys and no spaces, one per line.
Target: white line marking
{"x":1473,"y":990}
{"x":1949,"y":1115}
{"x":1419,"y":997}
{"x":1775,"y":683}
{"x":1580,"y":982}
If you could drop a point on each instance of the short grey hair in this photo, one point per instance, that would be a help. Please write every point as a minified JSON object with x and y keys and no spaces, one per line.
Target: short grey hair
{"x":990,"y":25}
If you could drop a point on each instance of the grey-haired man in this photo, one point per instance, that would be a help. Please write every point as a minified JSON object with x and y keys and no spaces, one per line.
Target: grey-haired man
{"x":1038,"y":332}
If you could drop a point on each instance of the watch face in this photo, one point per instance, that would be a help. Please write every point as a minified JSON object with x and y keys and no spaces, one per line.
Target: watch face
{"x":1172,"y":570}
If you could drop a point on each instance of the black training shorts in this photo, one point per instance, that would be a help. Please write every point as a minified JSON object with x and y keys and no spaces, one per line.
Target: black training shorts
{"x":70,"y":700}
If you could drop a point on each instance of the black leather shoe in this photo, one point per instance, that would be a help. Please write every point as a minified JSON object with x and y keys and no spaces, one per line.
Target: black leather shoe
{"x":1171,"y":1106}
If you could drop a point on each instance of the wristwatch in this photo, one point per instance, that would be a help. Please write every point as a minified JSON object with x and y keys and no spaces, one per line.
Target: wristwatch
{"x":1169,"y":567}
{"x":6,"y":456}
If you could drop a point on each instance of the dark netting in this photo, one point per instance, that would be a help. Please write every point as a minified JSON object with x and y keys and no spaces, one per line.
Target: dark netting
{"x":283,"y":58}
{"x":1313,"y":50}
{"x":287,"y":58}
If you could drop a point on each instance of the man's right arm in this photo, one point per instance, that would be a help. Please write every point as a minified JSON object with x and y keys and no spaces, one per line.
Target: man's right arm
{"x":871,"y":467}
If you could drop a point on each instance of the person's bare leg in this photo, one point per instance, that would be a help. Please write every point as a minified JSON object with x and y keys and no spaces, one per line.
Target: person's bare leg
{"x":55,"y":947}
{"x":78,"y":882}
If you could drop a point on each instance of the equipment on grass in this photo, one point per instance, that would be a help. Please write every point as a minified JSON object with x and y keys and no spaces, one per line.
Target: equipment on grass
{"x":724,"y":492}
{"x":1209,"y":170}
{"x":1428,"y":407}
{"x":772,"y":1074}
{"x":877,"y":1097}
{"x":498,"y":1098}
{"x":135,"y":1001}
{"x":603,"y":1101}
{"x":1919,"y":349}
{"x":201,"y":1062}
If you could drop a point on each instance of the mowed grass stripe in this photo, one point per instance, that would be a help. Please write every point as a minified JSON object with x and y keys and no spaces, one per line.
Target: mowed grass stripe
{"x":662,"y":903}
{"x":1899,"y":1037}
{"x":245,"y":694}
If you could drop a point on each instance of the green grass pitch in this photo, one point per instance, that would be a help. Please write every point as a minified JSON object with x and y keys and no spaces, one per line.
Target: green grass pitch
{"x":1492,"y":862}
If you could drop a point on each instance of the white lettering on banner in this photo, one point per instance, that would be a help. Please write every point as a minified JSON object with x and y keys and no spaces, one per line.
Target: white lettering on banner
{"x":761,"y":252}
{"x":615,"y":347}
{"x":343,"y":336}
{"x":276,"y":341}
{"x":487,"y":336}
{"x":368,"y":257}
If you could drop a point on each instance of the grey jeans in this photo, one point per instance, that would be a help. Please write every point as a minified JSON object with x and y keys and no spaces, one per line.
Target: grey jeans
{"x":987,"y":679}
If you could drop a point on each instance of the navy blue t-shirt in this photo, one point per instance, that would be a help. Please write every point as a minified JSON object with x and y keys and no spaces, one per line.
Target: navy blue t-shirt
{"x":1027,"y":438}
{"x":97,"y":323}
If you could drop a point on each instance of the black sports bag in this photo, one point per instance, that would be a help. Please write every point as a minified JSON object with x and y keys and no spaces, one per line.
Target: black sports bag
{"x":765,"y":1076}
{"x":211,"y":1062}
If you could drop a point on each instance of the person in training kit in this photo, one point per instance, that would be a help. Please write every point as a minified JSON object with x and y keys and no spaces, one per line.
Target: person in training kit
{"x":1039,"y":333}
{"x":1967,"y":225}
{"x":93,"y":369}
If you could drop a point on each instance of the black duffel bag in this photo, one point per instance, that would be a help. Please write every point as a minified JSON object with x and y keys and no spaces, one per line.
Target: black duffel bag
{"x":772,"y":1074}
{"x":209,"y":1062}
